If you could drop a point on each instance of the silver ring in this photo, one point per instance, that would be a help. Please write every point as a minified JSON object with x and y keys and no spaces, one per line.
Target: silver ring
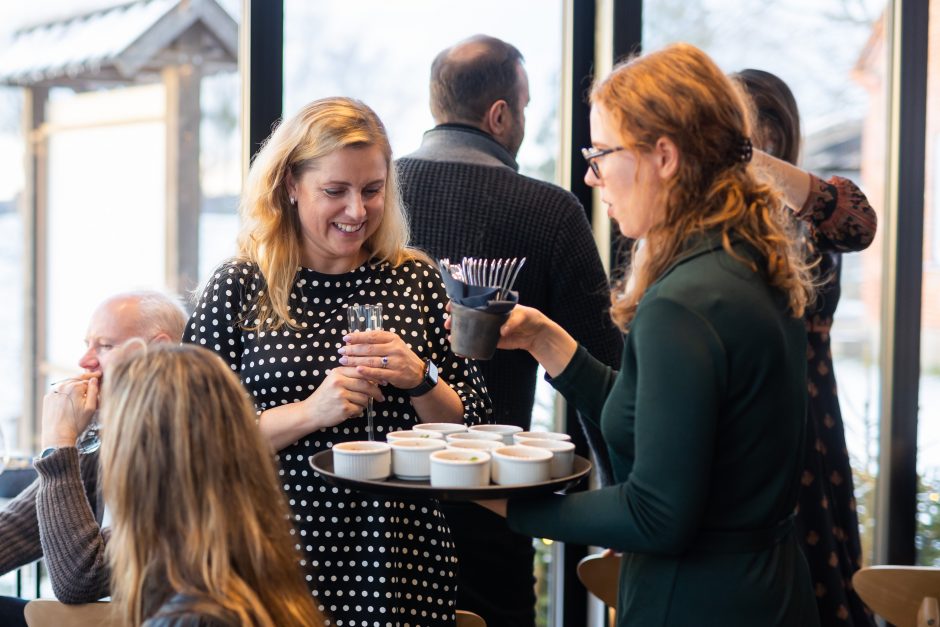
{"x":385,"y":362}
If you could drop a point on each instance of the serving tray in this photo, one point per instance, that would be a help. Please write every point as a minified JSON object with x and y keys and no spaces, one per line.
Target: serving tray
{"x":322,"y":462}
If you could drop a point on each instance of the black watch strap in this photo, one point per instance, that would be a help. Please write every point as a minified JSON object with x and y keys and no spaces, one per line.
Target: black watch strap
{"x":428,"y":382}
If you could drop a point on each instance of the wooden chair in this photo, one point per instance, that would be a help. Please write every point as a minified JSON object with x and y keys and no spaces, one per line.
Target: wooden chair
{"x":48,"y":613}
{"x":600,"y":574}
{"x":906,"y":596}
{"x":469,"y":619}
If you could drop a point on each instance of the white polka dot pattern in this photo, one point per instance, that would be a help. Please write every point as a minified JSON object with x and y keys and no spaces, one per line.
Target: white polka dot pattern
{"x":370,"y":560}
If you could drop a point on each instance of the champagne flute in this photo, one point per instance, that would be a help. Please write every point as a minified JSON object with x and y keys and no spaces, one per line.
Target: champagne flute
{"x":366,"y":318}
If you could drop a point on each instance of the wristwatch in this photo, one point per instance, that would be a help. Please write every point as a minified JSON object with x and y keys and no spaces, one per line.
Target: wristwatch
{"x":46,"y":452}
{"x":428,"y":382}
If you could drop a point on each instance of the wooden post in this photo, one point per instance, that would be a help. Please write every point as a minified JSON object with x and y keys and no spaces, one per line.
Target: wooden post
{"x":33,"y":206}
{"x":183,"y":194}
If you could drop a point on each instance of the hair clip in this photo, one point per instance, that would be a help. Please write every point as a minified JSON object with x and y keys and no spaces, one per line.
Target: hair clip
{"x":745,"y":150}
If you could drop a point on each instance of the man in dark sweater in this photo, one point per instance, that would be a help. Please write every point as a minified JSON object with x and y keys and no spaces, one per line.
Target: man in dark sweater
{"x":61,"y":515}
{"x":466,"y":198}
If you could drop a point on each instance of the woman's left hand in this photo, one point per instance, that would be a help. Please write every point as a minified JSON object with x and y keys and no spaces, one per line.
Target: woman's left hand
{"x":382,"y":356}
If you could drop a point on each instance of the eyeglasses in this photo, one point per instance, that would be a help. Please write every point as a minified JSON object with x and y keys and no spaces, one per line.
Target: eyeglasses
{"x":591,"y":155}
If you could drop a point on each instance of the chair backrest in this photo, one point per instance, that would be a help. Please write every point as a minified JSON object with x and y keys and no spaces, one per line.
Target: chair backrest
{"x":469,"y":619}
{"x":600,"y":574}
{"x":903,"y":595}
{"x":48,"y":613}
{"x":929,"y":613}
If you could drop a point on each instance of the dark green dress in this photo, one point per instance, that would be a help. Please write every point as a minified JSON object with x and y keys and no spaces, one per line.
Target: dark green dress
{"x":704,"y":423}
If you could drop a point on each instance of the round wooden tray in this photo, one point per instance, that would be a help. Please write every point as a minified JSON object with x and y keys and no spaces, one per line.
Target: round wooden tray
{"x":322,"y":462}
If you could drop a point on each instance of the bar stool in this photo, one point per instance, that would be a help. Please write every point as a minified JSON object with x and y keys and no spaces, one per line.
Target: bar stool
{"x":600,"y":574}
{"x":906,"y":596}
{"x":469,"y":619}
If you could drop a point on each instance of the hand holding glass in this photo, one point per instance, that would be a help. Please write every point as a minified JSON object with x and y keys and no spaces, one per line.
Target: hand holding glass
{"x":366,"y":318}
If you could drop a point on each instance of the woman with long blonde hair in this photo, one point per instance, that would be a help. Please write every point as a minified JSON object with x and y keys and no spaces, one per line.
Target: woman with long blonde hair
{"x":200,"y":532}
{"x":705,"y":418}
{"x":324,"y":229}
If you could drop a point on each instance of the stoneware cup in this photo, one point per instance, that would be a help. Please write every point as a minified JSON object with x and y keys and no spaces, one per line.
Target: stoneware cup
{"x":460,"y":469}
{"x":411,"y":457}
{"x":521,"y":465}
{"x":441,"y":428}
{"x":504,"y":431}
{"x":363,"y":460}
{"x":562,"y":454}
{"x":410,"y":434}
{"x":474,"y":333}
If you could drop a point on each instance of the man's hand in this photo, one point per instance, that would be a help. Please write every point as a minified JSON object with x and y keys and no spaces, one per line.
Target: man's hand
{"x":68,"y":409}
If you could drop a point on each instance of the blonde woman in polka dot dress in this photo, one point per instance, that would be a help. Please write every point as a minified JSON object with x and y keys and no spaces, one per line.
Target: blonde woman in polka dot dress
{"x":324,"y":229}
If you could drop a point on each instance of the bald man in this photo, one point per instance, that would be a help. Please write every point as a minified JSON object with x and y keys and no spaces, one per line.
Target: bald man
{"x":60,"y":515}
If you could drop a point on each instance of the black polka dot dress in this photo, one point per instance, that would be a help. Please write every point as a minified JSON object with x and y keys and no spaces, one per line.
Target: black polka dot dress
{"x":371,"y":560}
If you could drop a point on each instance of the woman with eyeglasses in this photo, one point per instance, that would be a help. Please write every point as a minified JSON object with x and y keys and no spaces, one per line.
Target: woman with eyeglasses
{"x":705,"y":418}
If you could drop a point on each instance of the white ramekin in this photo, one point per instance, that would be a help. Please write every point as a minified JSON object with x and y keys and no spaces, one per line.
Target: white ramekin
{"x":474,"y":435}
{"x":476,"y":445}
{"x":520,"y":465}
{"x":411,"y":457}
{"x":441,"y":427}
{"x":540,"y":435}
{"x":363,"y":460}
{"x":562,"y":454}
{"x":410,"y":434}
{"x":504,"y":431}
{"x":460,"y":469}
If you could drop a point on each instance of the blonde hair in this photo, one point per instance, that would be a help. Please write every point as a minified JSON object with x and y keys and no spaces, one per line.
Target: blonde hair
{"x":197,"y":509}
{"x":679,"y":93}
{"x":270,"y":234}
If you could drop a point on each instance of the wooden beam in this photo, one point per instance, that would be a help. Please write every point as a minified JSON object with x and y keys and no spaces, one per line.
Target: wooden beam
{"x":183,"y":193}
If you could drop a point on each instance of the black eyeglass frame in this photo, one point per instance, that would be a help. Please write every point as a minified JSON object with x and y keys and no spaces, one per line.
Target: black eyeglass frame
{"x":591,"y":155}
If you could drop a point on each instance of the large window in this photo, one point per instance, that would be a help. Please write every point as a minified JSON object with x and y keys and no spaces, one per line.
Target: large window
{"x":124,"y":142}
{"x":11,"y":266}
{"x":381,"y":52}
{"x":928,"y":436}
{"x":329,"y":50}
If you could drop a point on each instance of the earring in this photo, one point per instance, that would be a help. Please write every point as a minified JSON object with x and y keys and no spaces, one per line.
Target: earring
{"x":293,"y":200}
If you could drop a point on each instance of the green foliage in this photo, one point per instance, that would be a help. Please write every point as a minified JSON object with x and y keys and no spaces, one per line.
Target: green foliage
{"x":927,"y":538}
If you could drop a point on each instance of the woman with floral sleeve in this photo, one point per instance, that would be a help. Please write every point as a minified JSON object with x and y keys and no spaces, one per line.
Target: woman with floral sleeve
{"x":836,"y":218}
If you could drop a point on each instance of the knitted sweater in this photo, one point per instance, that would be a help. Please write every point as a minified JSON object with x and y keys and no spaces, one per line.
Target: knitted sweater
{"x":73,"y":541}
{"x":468,"y":200}
{"x":58,"y":517}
